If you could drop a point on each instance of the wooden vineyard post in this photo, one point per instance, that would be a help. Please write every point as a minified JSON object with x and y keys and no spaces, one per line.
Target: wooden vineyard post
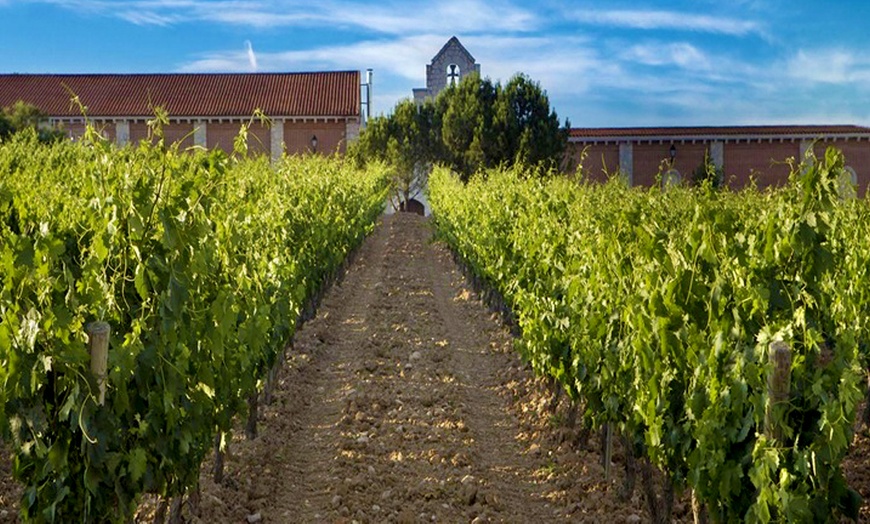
{"x":778,"y":385}
{"x":251,"y":426}
{"x":608,"y":449}
{"x":218,"y":458}
{"x":699,"y":513}
{"x":270,"y":384}
{"x":98,"y":345}
{"x":273,"y":374}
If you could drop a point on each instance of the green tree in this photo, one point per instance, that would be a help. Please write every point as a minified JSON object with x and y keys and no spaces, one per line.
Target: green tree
{"x":466,"y":129}
{"x":486,"y":125}
{"x":526,"y":129}
{"x":407,"y":141}
{"x":21,"y":116}
{"x":469,"y":127}
{"x":6,"y":128}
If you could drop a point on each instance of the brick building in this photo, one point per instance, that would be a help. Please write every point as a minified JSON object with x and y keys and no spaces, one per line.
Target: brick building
{"x":308,"y":111}
{"x":743,"y":152}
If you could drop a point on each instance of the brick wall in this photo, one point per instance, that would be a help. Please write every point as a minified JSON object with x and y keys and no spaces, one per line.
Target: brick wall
{"x":330,"y":137}
{"x":179,"y":132}
{"x":107,"y":129}
{"x":765,"y":161}
{"x":857,"y":157}
{"x":138,"y":132}
{"x":259,"y":140}
{"x":174,"y":132}
{"x":648,"y":160}
{"x":602,"y":160}
{"x":221,"y":135}
{"x":689,"y":158}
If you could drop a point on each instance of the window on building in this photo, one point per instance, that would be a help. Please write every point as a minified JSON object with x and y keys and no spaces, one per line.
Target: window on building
{"x":847,"y":184}
{"x":453,"y":74}
{"x":672,"y":178}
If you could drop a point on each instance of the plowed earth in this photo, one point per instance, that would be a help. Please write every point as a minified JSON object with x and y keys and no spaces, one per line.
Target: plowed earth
{"x":404,"y":400}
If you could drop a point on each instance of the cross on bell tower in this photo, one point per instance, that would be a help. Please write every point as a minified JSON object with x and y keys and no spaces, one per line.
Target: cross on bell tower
{"x":452,"y":75}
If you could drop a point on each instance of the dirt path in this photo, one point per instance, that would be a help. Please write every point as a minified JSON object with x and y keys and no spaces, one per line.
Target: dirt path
{"x":391,"y":410}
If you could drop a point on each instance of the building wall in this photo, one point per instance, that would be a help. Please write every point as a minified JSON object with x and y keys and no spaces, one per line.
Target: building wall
{"x":138,"y":132}
{"x":764,"y":162}
{"x":857,"y":156}
{"x":221,"y":135}
{"x":601,"y":162}
{"x":436,"y":72}
{"x":76,"y":130}
{"x":330,"y":137}
{"x":107,"y":129}
{"x":179,"y":132}
{"x":649,"y":159}
{"x":259,"y":140}
{"x":420,"y":95}
{"x":689,"y":157}
{"x":174,"y":132}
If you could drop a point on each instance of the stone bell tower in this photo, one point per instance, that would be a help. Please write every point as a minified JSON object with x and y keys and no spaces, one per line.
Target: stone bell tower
{"x":450,"y":65}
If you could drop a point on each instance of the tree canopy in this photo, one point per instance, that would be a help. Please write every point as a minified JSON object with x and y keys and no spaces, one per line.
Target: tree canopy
{"x":468,"y":127}
{"x":21,"y":116}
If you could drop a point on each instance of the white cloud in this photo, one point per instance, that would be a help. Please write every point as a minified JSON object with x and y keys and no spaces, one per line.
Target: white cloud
{"x":680,"y":54}
{"x":560,"y":64}
{"x":257,"y":18}
{"x":829,"y":66}
{"x":252,"y":57}
{"x":147,"y":18}
{"x":458,"y":16}
{"x":672,"y":20}
{"x":391,"y":17}
{"x":403,"y":57}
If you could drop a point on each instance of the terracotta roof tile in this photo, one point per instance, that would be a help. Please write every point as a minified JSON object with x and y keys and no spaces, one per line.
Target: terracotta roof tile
{"x":335,"y":94}
{"x":713,"y":131}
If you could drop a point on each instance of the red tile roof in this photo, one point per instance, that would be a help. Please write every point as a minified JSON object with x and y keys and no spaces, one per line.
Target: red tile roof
{"x":332,"y":94}
{"x":645,"y":133}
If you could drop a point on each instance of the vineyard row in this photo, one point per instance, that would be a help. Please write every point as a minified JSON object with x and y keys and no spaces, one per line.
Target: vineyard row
{"x":722,"y":335}
{"x":199,"y":263}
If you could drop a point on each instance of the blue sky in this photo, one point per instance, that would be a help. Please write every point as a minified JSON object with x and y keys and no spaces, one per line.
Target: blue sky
{"x":617,"y":63}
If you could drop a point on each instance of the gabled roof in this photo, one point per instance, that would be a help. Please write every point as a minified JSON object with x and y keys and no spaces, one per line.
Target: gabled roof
{"x":453,"y":42}
{"x":332,"y":94}
{"x":713,"y":132}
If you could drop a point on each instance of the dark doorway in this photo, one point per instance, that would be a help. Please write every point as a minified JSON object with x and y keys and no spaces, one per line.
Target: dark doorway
{"x":413,"y":206}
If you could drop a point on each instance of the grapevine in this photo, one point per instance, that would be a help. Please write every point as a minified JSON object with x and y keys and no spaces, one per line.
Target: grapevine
{"x":657,"y":309}
{"x":200,"y":263}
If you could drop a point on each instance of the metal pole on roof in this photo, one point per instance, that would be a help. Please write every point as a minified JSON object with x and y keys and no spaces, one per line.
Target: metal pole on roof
{"x":369,"y":73}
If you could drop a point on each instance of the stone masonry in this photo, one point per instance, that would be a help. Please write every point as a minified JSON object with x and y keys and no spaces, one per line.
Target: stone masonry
{"x":451,"y":64}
